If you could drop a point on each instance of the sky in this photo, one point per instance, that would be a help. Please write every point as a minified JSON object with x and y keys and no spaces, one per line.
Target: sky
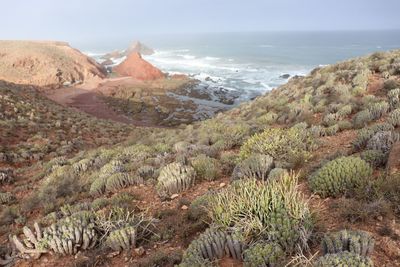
{"x":74,"y":20}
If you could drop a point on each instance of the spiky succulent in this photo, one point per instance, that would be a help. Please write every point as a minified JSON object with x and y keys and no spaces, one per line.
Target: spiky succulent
{"x":263,"y":254}
{"x":6,"y":198}
{"x":214,"y":244}
{"x":205,"y":167}
{"x":66,"y":237}
{"x":358,"y":242}
{"x":339,"y":176}
{"x":277,"y":173}
{"x":122,"y":239}
{"x":286,"y":146}
{"x":383,"y":141}
{"x":273,"y":211}
{"x":257,"y":166}
{"x":394,"y":117}
{"x":376,"y":158}
{"x":377,"y":110}
{"x":6,"y":176}
{"x":175,"y":178}
{"x":146,"y":172}
{"x":118,"y":181}
{"x":394,"y":98}
{"x":98,"y":187}
{"x":343,"y":259}
{"x":366,"y":134}
{"x":362,"y":118}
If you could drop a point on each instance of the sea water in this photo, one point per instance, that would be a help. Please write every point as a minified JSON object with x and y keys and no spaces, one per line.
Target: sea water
{"x":253,"y":63}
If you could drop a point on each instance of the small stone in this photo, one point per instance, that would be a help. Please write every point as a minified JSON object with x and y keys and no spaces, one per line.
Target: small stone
{"x":379,"y":218}
{"x":112,"y":254}
{"x":139,"y":251}
{"x":174,"y":196}
{"x":184,"y":207}
{"x":222,"y":184}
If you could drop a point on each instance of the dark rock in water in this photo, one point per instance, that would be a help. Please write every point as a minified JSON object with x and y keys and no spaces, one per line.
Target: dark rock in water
{"x":297,"y":76}
{"x":208,"y":79}
{"x":107,"y":62}
{"x":225,"y":96}
{"x":285,"y":76}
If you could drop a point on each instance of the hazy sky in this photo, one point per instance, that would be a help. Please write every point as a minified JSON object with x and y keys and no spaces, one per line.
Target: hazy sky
{"x":73,"y":20}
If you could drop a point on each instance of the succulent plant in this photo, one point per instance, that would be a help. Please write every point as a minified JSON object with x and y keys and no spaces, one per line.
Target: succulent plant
{"x":272,"y":211}
{"x":198,"y":208}
{"x":66,"y":237}
{"x":383,"y":141}
{"x":175,"y":178}
{"x":98,"y":187}
{"x":376,"y":158}
{"x":357,"y":242}
{"x":394,"y":117}
{"x":366,"y":134}
{"x":118,"y":181}
{"x":339,"y":176}
{"x":146,"y":172}
{"x":6,"y":198}
{"x":394,"y":98}
{"x":362,"y":118}
{"x":343,"y":259}
{"x":205,"y":167}
{"x":256,"y":166}
{"x":122,"y":239}
{"x":82,"y":165}
{"x":214,"y":244}
{"x":331,"y":130}
{"x":286,"y":146}
{"x":6,"y":176}
{"x":377,"y":110}
{"x":277,"y":173}
{"x":263,"y":255}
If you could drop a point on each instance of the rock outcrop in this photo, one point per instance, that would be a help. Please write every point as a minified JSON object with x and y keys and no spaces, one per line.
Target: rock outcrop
{"x":135,"y":66}
{"x":138,"y":47}
{"x":45,"y":64}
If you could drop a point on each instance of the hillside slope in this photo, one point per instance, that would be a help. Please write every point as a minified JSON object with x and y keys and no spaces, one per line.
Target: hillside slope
{"x":265,"y":183}
{"x":46,"y":64}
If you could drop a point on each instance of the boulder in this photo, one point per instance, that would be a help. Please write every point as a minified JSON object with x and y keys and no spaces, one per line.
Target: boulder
{"x":135,"y":66}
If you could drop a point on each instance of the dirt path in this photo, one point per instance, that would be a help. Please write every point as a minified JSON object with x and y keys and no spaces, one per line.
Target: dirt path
{"x":87,"y":99}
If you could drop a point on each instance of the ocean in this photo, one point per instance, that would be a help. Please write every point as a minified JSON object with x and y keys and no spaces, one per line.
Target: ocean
{"x":253,"y":63}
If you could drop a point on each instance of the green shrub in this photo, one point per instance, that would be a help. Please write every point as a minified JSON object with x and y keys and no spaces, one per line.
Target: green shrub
{"x":357,"y":242}
{"x":198,"y":208}
{"x":339,"y":176}
{"x":331,"y":130}
{"x":228,"y":160}
{"x":286,"y":146}
{"x":343,"y":259}
{"x":366,"y":134}
{"x":118,"y":181}
{"x":376,"y":158}
{"x":256,"y":166}
{"x":273,"y":211}
{"x":277,"y":173}
{"x":263,"y":254}
{"x":362,"y":118}
{"x":206,"y":168}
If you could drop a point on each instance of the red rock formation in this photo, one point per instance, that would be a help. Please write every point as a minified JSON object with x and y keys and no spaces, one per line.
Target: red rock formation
{"x":139,"y":48}
{"x":138,"y":68}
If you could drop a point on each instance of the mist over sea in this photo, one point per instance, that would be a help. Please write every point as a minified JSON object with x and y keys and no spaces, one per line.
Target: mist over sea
{"x":251,"y":63}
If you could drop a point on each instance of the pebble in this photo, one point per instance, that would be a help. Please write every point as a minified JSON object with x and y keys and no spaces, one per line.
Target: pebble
{"x":222,"y":184}
{"x":174,"y":196}
{"x":184,"y":207}
{"x":139,"y":251}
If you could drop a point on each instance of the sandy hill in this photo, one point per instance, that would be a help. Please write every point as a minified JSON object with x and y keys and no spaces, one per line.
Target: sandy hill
{"x":305,"y":175}
{"x":135,"y":66}
{"x":48,"y":64}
